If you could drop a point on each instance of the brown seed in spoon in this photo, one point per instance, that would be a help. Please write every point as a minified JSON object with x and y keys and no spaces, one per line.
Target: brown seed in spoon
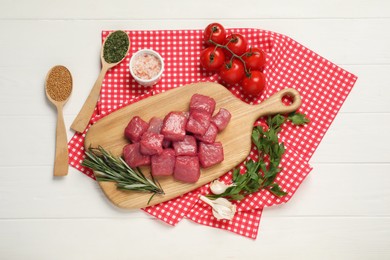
{"x":59,"y":83}
{"x":58,"y":86}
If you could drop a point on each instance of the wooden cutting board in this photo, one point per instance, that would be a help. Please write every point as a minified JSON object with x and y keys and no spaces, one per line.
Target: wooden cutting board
{"x":235,"y":138}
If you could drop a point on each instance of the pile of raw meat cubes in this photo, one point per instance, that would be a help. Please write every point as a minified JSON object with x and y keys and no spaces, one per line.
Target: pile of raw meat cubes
{"x":180,"y":143}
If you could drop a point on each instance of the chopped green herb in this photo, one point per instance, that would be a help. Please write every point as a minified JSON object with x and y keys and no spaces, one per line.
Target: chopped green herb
{"x":115,"y":47}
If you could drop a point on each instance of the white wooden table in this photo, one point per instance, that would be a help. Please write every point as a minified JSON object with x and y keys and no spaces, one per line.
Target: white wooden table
{"x":341,"y":211}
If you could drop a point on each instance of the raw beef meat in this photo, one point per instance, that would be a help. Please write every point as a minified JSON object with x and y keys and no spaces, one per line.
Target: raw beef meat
{"x":198,"y":122}
{"x":174,"y":125}
{"x":221,"y":119}
{"x":180,"y":143}
{"x":209,"y":136}
{"x":210,"y":154}
{"x":187,"y":169}
{"x":155,"y":125}
{"x":164,"y":163}
{"x":151,"y":143}
{"x":133,"y":156}
{"x":202,"y":104}
{"x":135,"y":129}
{"x":186,"y":147}
{"x":166,"y":143}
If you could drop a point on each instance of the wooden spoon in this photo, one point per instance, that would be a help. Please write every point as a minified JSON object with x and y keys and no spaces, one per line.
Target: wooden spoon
{"x":108,"y":132}
{"x":58,"y":87}
{"x":81,"y":121}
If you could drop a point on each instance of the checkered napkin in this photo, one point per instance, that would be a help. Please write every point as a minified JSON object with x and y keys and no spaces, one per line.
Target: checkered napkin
{"x":323,"y":87}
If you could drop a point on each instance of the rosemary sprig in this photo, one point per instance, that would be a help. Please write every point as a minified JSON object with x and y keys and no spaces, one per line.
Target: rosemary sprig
{"x":110,"y":168}
{"x":261,"y":175}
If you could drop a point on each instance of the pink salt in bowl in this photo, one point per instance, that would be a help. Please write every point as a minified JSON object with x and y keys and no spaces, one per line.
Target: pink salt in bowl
{"x":146,"y":67}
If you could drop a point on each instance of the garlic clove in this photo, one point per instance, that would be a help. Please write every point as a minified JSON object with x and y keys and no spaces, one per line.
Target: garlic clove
{"x":217,"y":187}
{"x":222,"y":208}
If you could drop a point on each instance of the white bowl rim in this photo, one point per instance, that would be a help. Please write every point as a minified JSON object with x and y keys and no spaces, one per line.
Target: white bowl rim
{"x":149,"y":51}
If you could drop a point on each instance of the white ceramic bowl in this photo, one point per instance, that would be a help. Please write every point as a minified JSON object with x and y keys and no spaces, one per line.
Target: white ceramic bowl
{"x":146,"y":82}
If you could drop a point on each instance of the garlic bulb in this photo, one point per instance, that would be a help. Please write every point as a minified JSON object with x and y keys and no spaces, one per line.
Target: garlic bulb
{"x":217,"y":187}
{"x":222,"y":208}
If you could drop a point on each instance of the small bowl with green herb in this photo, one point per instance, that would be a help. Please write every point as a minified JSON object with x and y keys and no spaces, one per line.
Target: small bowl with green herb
{"x":146,"y":67}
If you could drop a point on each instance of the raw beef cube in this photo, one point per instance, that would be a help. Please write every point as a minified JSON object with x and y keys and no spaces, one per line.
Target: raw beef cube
{"x":164,"y":163}
{"x":209,"y":136}
{"x":151,"y":143}
{"x":174,"y":126}
{"x":186,"y":147}
{"x":187,"y":169}
{"x":210,"y":154}
{"x":198,"y":122}
{"x":202,"y":104}
{"x":133,"y":157}
{"x":135,"y":129}
{"x":166,"y":143}
{"x":186,"y":114}
{"x":155,"y":125}
{"x":221,"y":119}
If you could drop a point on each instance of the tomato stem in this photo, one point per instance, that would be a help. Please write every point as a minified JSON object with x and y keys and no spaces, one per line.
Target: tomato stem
{"x":224,"y":46}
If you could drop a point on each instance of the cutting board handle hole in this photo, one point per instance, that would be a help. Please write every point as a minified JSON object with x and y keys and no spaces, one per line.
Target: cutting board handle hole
{"x":287,"y":100}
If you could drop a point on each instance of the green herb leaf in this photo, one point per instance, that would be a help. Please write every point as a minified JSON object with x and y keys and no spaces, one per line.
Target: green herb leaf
{"x":276,"y":122}
{"x":298,"y":118}
{"x":276,"y":190}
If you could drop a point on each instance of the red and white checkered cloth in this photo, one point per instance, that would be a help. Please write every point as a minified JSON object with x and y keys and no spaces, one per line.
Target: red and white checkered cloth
{"x":323,"y":87}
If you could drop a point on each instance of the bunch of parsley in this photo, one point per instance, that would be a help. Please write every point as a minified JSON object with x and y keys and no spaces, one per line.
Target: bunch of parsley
{"x":262,"y":174}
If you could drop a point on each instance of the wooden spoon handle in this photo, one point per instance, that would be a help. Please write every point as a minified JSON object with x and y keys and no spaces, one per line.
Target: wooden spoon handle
{"x":274,"y":104}
{"x":61,"y":159}
{"x":83,"y":117}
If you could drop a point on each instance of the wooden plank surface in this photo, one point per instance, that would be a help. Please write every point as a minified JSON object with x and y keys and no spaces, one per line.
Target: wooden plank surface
{"x":304,"y":238}
{"x":341,"y":211}
{"x":77,"y":197}
{"x":173,"y":9}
